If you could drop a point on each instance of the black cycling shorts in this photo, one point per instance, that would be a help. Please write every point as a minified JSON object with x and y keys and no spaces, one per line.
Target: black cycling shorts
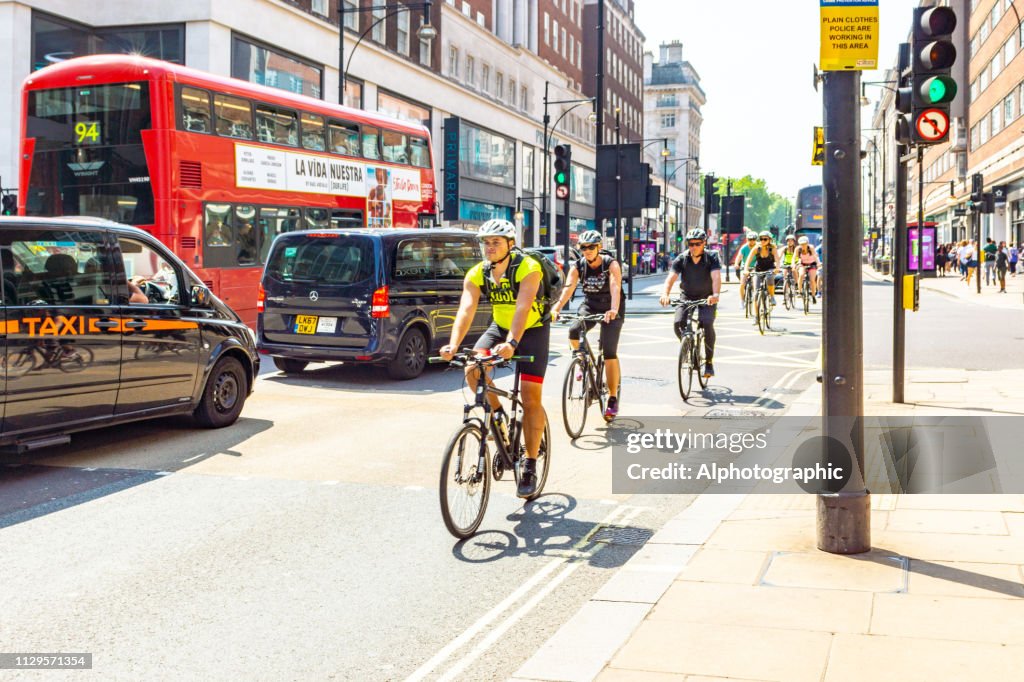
{"x":536,"y":341}
{"x":609,"y":332}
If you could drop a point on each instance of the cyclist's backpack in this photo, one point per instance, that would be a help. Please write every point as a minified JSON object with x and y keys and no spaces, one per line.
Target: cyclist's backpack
{"x":550,"y":281}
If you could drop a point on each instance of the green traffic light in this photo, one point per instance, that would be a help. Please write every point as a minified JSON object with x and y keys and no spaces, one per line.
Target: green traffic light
{"x":560,"y":177}
{"x":939,"y":89}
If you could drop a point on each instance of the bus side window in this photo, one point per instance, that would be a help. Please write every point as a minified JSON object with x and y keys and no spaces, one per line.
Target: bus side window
{"x":371,"y":142}
{"x":277,"y":126}
{"x":395,"y":147}
{"x":313,"y":132}
{"x":234,"y":116}
{"x":419,"y":152}
{"x":344,"y":138}
{"x":195,"y":110}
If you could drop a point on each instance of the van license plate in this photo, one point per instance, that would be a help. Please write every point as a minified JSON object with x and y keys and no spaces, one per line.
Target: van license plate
{"x":326,"y":325}
{"x":305,"y":324}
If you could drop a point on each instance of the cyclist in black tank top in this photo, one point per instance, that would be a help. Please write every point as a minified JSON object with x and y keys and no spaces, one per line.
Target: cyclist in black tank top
{"x":601,"y":278}
{"x":765,"y":259}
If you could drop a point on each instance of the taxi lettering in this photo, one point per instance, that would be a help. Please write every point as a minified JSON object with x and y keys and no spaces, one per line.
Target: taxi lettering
{"x":60,"y":325}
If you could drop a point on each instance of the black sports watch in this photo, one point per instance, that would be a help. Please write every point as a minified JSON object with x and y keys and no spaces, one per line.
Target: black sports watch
{"x":513,"y":343}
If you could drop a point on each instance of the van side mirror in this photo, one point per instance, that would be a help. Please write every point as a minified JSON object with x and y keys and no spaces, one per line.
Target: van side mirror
{"x":200,"y":296}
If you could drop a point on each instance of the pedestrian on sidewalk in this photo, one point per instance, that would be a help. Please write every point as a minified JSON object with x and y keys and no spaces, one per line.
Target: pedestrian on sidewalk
{"x":989,"y":253}
{"x":1002,"y":260}
{"x":971,"y":259}
{"x":940,"y":259}
{"x":1014,"y":255}
{"x":962,"y":258}
{"x":950,"y":257}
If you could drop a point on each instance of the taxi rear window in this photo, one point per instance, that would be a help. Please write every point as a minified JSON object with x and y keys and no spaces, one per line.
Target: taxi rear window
{"x":322,"y":258}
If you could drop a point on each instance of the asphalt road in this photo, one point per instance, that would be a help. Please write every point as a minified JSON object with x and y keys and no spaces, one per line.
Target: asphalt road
{"x":305,"y":542}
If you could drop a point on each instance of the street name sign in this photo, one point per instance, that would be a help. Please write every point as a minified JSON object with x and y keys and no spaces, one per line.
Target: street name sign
{"x":849,"y":35}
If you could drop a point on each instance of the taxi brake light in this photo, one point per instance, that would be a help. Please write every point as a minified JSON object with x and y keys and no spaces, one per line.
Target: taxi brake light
{"x":380,"y":306}
{"x":261,"y":299}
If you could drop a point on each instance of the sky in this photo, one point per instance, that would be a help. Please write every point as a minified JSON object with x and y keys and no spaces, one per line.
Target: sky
{"x":759,"y":119}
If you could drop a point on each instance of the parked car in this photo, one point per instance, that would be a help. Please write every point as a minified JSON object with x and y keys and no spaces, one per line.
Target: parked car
{"x":556,"y":254}
{"x":385,"y":297}
{"x":103,"y":325}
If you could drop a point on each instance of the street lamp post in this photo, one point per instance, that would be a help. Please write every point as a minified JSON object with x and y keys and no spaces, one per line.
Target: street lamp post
{"x":426,"y":31}
{"x":548,"y":133}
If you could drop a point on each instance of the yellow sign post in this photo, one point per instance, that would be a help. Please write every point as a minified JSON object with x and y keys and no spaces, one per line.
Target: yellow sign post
{"x":818,"y":155}
{"x":849,"y":35}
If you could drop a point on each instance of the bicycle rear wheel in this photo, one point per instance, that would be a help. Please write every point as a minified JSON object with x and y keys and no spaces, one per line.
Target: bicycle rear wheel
{"x":464,"y":489}
{"x":700,"y":359}
{"x":575,"y":398}
{"x":806,"y":294}
{"x":760,"y":310}
{"x":748,"y":300}
{"x":685,"y":367}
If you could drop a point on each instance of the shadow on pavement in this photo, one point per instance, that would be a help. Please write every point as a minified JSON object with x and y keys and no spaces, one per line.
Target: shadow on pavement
{"x":543,"y":529}
{"x":945,"y":572}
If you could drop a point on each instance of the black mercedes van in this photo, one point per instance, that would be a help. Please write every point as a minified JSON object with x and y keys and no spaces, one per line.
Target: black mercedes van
{"x":102,"y":324}
{"x":381,"y":296}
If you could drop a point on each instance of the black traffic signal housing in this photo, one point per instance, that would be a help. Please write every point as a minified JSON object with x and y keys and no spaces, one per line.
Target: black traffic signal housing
{"x":563,"y":170}
{"x":977,"y":192}
{"x":652,"y":192}
{"x":712,"y":202}
{"x":931,"y":61}
{"x":10,"y":204}
{"x":904,"y":95}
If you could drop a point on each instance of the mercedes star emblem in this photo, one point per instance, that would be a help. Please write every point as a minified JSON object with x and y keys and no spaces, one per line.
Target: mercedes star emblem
{"x":313,"y":296}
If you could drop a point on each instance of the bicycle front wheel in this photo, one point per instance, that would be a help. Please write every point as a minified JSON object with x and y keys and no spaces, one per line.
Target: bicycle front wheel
{"x":700,"y":359}
{"x":685,"y":366}
{"x":760,"y":311}
{"x":807,"y":298}
{"x":575,"y":398}
{"x":465,"y":487}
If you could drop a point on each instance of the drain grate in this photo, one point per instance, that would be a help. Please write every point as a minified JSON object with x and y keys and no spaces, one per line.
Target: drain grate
{"x":622,"y":535}
{"x":733,"y":412}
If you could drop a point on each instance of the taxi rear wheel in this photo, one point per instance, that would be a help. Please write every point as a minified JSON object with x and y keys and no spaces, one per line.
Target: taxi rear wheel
{"x":224,"y":395}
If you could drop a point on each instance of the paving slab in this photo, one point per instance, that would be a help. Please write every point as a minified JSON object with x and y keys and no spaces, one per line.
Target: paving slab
{"x":725,"y":566}
{"x":965,"y":579}
{"x":869,"y":572}
{"x":616,"y":675}
{"x":726,"y":651}
{"x":943,"y":521}
{"x":856,"y":658}
{"x":647,"y":574}
{"x":991,"y":549}
{"x":1008,"y":503}
{"x":686,"y":531}
{"x":752,"y":606}
{"x":792,"y":534}
{"x":954,"y":618}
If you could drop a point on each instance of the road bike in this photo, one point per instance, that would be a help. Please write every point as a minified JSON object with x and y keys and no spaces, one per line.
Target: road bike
{"x":692,"y":357}
{"x":789,"y":290}
{"x":763,"y":301}
{"x":748,"y":296}
{"x":467,"y":467}
{"x":40,"y":355}
{"x":805,"y":292}
{"x":584,"y":380}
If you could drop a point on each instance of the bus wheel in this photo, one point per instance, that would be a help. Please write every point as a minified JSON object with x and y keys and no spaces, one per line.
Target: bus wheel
{"x":223,"y":396}
{"x":411,"y":356}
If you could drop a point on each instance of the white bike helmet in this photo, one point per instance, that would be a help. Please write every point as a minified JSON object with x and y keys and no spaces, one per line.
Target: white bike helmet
{"x":803,"y":240}
{"x":590,"y":237}
{"x":497,"y":228}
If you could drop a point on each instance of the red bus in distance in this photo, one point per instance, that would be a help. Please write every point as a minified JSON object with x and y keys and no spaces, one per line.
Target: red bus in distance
{"x":214,"y":167}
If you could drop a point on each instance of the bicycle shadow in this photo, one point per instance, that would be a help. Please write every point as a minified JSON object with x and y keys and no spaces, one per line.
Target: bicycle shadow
{"x":543,"y":529}
{"x":719,"y":396}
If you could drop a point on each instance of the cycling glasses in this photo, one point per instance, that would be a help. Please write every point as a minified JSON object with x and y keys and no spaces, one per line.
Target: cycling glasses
{"x":766,"y":239}
{"x":588,"y":247}
{"x":695,"y":243}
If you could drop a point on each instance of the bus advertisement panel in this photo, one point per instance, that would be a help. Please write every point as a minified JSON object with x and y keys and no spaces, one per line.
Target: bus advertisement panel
{"x":213,"y":167}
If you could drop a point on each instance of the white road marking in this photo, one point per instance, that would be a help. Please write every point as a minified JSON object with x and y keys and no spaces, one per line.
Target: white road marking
{"x":192,"y":459}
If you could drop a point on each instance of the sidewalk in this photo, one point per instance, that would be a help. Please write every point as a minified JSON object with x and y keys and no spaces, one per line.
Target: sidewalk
{"x":734,"y":588}
{"x":951,"y":287}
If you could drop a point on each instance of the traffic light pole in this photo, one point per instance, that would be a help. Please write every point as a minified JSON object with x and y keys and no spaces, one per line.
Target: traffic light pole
{"x":919,"y":242}
{"x":899,"y":269}
{"x":844,"y":511}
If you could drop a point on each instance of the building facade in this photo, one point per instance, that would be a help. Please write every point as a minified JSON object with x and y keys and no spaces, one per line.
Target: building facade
{"x":623,"y":68}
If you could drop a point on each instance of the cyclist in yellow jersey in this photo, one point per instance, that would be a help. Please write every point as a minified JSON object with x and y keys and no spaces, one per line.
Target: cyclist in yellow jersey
{"x":789,"y":253}
{"x":520,"y":327}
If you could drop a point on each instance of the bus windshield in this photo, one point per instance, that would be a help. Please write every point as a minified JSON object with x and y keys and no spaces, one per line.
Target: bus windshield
{"x":89,"y":158}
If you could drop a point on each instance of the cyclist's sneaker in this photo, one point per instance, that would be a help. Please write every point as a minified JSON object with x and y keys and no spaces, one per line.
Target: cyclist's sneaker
{"x":709,"y":370}
{"x":612,"y":410}
{"x":527,"y":478}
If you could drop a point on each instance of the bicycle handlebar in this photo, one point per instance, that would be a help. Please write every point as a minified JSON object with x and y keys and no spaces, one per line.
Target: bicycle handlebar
{"x":466,"y":358}
{"x":575,"y":317}
{"x":679,"y":303}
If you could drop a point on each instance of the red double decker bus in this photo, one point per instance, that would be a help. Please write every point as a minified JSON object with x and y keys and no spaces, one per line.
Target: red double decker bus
{"x":213,"y":167}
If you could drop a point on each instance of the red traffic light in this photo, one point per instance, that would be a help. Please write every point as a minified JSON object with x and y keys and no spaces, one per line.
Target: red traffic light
{"x":937,"y":55}
{"x":938,"y":21}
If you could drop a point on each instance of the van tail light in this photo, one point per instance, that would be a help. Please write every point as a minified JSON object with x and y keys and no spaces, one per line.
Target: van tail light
{"x":261,"y":299}
{"x":380,"y":306}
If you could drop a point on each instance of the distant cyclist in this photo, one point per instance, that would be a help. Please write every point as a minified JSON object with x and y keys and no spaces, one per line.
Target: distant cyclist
{"x":601,"y":277}
{"x":700,"y":276}
{"x":789,"y":253}
{"x":764,"y":258}
{"x":519,"y":326}
{"x":739,"y":263}
{"x":807,"y":258}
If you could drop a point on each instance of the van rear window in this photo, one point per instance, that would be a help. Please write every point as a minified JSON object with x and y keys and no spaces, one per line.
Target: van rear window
{"x":323,"y":260}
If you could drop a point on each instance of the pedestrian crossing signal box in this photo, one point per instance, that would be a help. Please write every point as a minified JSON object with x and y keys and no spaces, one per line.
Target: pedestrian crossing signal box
{"x":911,"y":292}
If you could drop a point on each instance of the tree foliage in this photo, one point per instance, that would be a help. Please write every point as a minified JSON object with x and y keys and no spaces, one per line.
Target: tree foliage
{"x":763,"y":207}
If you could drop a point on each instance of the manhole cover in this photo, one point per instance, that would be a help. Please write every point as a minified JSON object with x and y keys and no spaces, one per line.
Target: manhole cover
{"x":622,"y":535}
{"x":733,"y":412}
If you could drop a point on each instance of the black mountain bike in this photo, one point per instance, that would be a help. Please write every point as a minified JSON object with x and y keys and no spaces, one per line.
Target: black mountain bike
{"x":763,"y":301}
{"x":584,"y":380}
{"x":467,"y":466}
{"x":805,"y":292}
{"x":691,"y":349}
{"x":789,"y":290}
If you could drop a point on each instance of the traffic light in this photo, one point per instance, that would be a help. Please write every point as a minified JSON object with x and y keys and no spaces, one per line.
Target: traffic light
{"x":904,"y":95}
{"x":977,"y":189}
{"x":932,"y":58}
{"x":652,"y":192}
{"x":10,"y":204}
{"x":563,"y":170}
{"x":712,"y":202}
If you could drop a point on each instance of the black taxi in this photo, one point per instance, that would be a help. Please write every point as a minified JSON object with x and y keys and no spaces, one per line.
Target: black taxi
{"x":102,"y":324}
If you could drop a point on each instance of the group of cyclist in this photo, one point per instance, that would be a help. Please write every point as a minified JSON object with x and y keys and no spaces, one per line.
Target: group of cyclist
{"x":512,"y":281}
{"x":760,"y":257}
